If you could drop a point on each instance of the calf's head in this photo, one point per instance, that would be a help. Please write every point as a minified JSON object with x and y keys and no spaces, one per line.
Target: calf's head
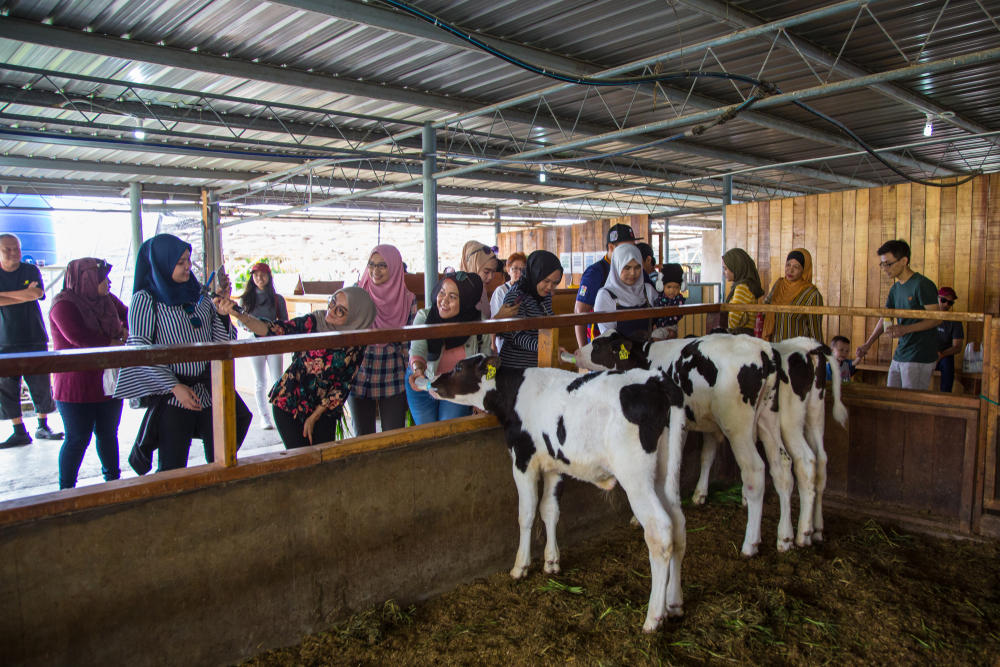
{"x":468,"y":382}
{"x":612,"y":351}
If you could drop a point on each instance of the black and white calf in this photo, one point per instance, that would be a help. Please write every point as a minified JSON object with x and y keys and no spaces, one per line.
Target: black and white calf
{"x":802,"y":407}
{"x":601,"y":428}
{"x":730,"y":386}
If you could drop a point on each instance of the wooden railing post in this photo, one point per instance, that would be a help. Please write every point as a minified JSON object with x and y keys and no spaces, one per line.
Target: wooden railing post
{"x":224,"y":411}
{"x":548,"y":348}
{"x":986,"y":452}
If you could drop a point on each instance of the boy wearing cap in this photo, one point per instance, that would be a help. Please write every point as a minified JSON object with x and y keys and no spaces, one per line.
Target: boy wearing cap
{"x":596,"y":275}
{"x":917,"y":353}
{"x":950,"y":337}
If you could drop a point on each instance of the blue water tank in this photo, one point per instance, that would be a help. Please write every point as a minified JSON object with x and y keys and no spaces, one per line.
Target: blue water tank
{"x":34,"y":228}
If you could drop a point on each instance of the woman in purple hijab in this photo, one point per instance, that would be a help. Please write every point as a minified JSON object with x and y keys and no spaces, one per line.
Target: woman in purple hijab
{"x":85,"y":314}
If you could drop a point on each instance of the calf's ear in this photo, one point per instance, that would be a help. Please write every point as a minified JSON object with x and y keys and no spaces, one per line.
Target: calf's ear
{"x":489,"y":366}
{"x":639,"y":337}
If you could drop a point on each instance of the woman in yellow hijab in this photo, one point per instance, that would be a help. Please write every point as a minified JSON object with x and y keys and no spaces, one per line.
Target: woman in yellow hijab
{"x":795,"y":289}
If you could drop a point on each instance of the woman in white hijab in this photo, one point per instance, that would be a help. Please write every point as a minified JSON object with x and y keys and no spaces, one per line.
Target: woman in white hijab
{"x":625,"y":289}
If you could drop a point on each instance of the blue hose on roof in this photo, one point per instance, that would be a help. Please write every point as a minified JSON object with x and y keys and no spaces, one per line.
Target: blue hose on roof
{"x":764,"y":87}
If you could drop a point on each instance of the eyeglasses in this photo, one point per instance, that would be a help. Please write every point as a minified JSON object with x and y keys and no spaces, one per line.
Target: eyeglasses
{"x":189,"y":311}
{"x":947,"y":301}
{"x":489,"y":250}
{"x":338,"y":310}
{"x":381,"y":266}
{"x":886,"y":265}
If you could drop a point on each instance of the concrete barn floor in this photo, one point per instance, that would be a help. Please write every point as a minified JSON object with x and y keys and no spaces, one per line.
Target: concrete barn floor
{"x":34,"y":468}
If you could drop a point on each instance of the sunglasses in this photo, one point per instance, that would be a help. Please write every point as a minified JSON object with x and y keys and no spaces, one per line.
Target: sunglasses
{"x":489,"y":250}
{"x":947,"y":301}
{"x":188,"y":309}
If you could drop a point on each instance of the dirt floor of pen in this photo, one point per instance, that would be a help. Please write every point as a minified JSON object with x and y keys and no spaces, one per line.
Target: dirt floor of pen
{"x":869,"y":595}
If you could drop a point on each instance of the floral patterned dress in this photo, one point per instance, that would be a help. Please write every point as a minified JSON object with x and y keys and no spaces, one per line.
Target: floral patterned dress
{"x":315,"y":377}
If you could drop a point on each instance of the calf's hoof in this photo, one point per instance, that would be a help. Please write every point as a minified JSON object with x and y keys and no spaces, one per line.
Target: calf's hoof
{"x":749,"y":550}
{"x":784,"y":545}
{"x":519,"y":572}
{"x":652,"y":625}
{"x":675,"y":610}
{"x":817,"y":536}
{"x":552,"y":567}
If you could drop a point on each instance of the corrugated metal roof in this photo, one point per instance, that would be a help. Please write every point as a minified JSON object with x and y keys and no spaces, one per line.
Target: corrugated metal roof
{"x":602,"y":33}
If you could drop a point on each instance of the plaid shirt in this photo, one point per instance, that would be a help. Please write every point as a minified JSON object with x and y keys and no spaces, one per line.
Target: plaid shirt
{"x":383,"y":372}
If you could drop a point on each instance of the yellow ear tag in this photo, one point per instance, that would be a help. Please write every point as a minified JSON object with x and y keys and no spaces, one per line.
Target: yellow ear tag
{"x":623,"y":353}
{"x":491,"y":372}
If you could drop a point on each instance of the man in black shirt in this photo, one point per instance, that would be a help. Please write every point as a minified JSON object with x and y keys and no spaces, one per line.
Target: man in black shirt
{"x":22,"y":329}
{"x":951,"y":336}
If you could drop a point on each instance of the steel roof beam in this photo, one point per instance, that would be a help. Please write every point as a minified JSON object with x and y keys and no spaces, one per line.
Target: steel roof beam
{"x":214,"y":118}
{"x":724,"y":12}
{"x":394,"y":21}
{"x":397,"y":22}
{"x":375,"y":166}
{"x":318,"y":183}
{"x":63,"y":38}
{"x":976,"y":58}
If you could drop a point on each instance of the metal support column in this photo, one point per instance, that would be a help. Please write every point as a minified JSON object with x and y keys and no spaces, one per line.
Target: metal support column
{"x":665,"y":250}
{"x":430,"y":210}
{"x":496,"y":226}
{"x":215,"y":218}
{"x":135,"y":201}
{"x":727,"y":200}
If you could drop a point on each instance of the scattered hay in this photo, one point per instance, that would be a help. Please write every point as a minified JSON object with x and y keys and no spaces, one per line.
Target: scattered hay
{"x":872,"y":595}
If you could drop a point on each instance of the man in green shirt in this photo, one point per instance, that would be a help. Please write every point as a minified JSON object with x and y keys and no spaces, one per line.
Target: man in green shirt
{"x":916,"y":355}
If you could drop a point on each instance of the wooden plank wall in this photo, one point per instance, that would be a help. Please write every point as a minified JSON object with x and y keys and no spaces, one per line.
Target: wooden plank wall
{"x":954,"y":234}
{"x":586,"y":237}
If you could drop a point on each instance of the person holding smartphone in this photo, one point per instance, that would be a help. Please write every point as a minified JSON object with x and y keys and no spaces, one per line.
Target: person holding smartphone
{"x":533,"y":297}
{"x":454,"y":299}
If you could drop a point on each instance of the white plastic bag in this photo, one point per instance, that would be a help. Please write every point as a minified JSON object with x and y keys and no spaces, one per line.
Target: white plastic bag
{"x":972,"y":361}
{"x":110,"y":381}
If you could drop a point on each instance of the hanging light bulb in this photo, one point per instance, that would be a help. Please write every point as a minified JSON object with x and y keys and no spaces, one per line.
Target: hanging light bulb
{"x":138,"y":133}
{"x":541,"y":177}
{"x":929,"y":126}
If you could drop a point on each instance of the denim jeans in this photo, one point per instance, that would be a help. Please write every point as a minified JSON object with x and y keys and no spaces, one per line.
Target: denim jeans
{"x":427,"y":409}
{"x":80,"y":421}
{"x":947,"y":367}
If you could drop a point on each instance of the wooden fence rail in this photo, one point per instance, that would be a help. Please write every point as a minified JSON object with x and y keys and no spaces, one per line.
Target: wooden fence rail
{"x":222,"y":356}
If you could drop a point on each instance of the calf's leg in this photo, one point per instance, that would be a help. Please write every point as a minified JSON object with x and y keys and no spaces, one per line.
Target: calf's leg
{"x":769,"y":429}
{"x":669,"y":465}
{"x":752,"y":472}
{"x":550,"y":516}
{"x":792,"y":434}
{"x":710,"y":444}
{"x":641,"y":492}
{"x":527,"y":504}
{"x":815,"y":428}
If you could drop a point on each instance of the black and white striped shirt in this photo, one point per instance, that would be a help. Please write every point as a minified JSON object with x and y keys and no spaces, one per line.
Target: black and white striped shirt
{"x":520,"y":348}
{"x":173,"y":326}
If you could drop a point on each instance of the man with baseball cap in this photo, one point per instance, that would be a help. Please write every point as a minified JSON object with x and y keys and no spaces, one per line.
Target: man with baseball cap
{"x":596,"y":275}
{"x":951,"y":337}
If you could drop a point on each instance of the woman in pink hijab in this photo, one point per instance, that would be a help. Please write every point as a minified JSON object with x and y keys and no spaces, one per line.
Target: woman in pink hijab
{"x":380,"y":383}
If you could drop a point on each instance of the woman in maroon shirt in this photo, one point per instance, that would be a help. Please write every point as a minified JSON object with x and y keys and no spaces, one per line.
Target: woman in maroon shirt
{"x":84,"y":314}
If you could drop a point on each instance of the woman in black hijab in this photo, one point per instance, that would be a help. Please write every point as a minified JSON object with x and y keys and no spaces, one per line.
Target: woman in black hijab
{"x":533,"y":296}
{"x":455,"y":299}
